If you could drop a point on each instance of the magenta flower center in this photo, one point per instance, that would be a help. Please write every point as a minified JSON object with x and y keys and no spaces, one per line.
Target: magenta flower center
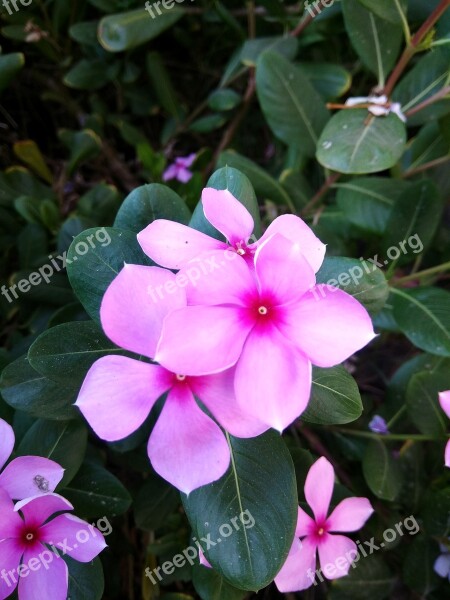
{"x":30,"y":536}
{"x":319,"y":531}
{"x":180,"y":377}
{"x":263,"y":310}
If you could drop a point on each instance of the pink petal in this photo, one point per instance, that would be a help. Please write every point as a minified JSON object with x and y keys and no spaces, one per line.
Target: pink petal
{"x":44,"y":582}
{"x":444,"y":399}
{"x":171,"y":172}
{"x":118,"y":394}
{"x":283,"y":273}
{"x":135,"y":304}
{"x":30,"y":475}
{"x":336,"y":553}
{"x":186,"y":161}
{"x":74,"y":537}
{"x":203,"y":560}
{"x":297,"y":231}
{"x":305,"y":525}
{"x":273,"y":380}
{"x":184,"y":175}
{"x":228,"y":215}
{"x":6,"y":441}
{"x":319,"y":486}
{"x":37,"y":510}
{"x":328,"y":326}
{"x":219,"y":278}
{"x":186,"y":447}
{"x":350,"y":515}
{"x":172,"y":245}
{"x":201,"y":340}
{"x":10,"y":522}
{"x":10,"y":554}
{"x":298,"y":571}
{"x":216,"y":392}
{"x":447,"y":454}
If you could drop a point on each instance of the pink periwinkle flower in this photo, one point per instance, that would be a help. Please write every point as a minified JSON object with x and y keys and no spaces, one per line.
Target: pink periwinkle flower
{"x":180,"y":169}
{"x":319,"y":534}
{"x":33,"y":542}
{"x":444,"y":399}
{"x":173,"y":245}
{"x":25,"y":476}
{"x":186,"y":447}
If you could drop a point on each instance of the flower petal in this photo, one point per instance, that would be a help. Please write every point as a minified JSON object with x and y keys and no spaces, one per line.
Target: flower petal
{"x":186,"y":447}
{"x":282,"y":271}
{"x":350,"y":515}
{"x":203,"y":560}
{"x":228,"y":215}
{"x":118,"y":394}
{"x":447,"y":454}
{"x":172,"y":245}
{"x":305,"y":525}
{"x":201,"y":340}
{"x":6,"y":441}
{"x":39,"y":509}
{"x":184,"y":175}
{"x":10,"y":554}
{"x":216,"y":392}
{"x":298,"y":571}
{"x":10,"y":521}
{"x":74,"y":537}
{"x":319,"y":486}
{"x":135,"y":304}
{"x":328,"y":326}
{"x":442,"y":565}
{"x":171,"y":172}
{"x":28,"y":476}
{"x":51,"y":581}
{"x":444,"y":400}
{"x":270,"y":371}
{"x":336,"y":553}
{"x":297,"y":231}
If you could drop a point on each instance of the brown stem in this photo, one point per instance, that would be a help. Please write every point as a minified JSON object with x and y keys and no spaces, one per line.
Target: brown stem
{"x":410,"y":50}
{"x":431,"y":100}
{"x":429,"y":165}
{"x":323,"y":190}
{"x":306,"y":20}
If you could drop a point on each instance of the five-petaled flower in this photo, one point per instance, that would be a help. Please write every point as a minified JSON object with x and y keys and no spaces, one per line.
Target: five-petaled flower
{"x":336,"y":552}
{"x":180,"y":169}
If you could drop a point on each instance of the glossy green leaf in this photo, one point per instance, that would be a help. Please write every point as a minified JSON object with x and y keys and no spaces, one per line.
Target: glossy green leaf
{"x":331,"y":81}
{"x":209,"y":585}
{"x":155,"y":501}
{"x":418,"y":567}
{"x":294,"y":110}
{"x":355,"y":142}
{"x":386,"y":9}
{"x":223,"y":100}
{"x":335,"y":398}
{"x":422,"y":401}
{"x":370,"y":579}
{"x":87,"y":75}
{"x":208,"y":123}
{"x":83,"y":146}
{"x":423,"y":316}
{"x":10,"y":65}
{"x":86,"y":580}
{"x":252,"y":49}
{"x":258,"y":488}
{"x":149,"y":202}
{"x":381,"y":471}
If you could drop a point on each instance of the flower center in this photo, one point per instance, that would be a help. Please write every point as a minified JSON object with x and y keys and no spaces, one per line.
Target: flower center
{"x":240,"y":251}
{"x":29,"y":537}
{"x":320,"y":531}
{"x":262,"y":310}
{"x":181,"y":377}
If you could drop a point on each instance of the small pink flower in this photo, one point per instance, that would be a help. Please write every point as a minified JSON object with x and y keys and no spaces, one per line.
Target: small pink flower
{"x":173,"y":245}
{"x":444,"y":399}
{"x":186,"y":446}
{"x":336,"y":552}
{"x":25,"y":476}
{"x":180,"y":169}
{"x":30,"y":534}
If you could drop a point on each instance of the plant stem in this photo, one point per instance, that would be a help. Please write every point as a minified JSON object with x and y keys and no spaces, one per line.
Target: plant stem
{"x":397,"y":415}
{"x":323,"y":190}
{"x":431,"y":100}
{"x":411,"y":49}
{"x":419,"y":437}
{"x":424,"y":273}
{"x":306,"y":20}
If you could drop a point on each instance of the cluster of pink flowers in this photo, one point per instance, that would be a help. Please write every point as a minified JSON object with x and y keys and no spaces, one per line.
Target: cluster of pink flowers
{"x":231,"y":338}
{"x":29,"y":528}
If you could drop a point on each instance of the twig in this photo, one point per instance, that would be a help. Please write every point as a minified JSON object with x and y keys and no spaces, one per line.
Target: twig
{"x":431,"y":100}
{"x":429,"y":165}
{"x":323,"y":190}
{"x":306,"y":20}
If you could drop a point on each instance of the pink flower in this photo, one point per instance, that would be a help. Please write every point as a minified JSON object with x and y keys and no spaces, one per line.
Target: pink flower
{"x":186,"y":446}
{"x":25,"y":558}
{"x":272,"y":322}
{"x":444,"y":399}
{"x":173,"y":245}
{"x":180,"y":169}
{"x":25,"y":476}
{"x":336,"y":552}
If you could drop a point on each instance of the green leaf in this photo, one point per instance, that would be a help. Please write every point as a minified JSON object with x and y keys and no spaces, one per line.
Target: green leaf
{"x":86,"y":580}
{"x":87,"y":75}
{"x":10,"y":65}
{"x":331,"y":81}
{"x":83,"y":146}
{"x":223,"y":100}
{"x":65,"y":443}
{"x":28,"y":152}
{"x":65,"y":353}
{"x":209,"y":585}
{"x":208,"y":123}
{"x":27,"y":390}
{"x":294,"y":110}
{"x":127,"y":30}
{"x":385,"y":9}
{"x":382,"y":473}
{"x":155,"y":501}
{"x":91,"y":273}
{"x":418,"y":566}
{"x":84,"y":32}
{"x":435,"y":512}
{"x":361,"y":279}
{"x":96,"y":492}
{"x":162,"y":85}
{"x":149,"y":202}
{"x":252,"y":49}
{"x":297,"y":187}
{"x":228,"y":178}
{"x":369,"y":579}
{"x":376,"y":41}
{"x":422,"y":315}
{"x":18,"y":181}
{"x":368,"y":201}
{"x":258,"y":488}
{"x":335,"y":398}
{"x":355,"y":142}
{"x":422,"y":401}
